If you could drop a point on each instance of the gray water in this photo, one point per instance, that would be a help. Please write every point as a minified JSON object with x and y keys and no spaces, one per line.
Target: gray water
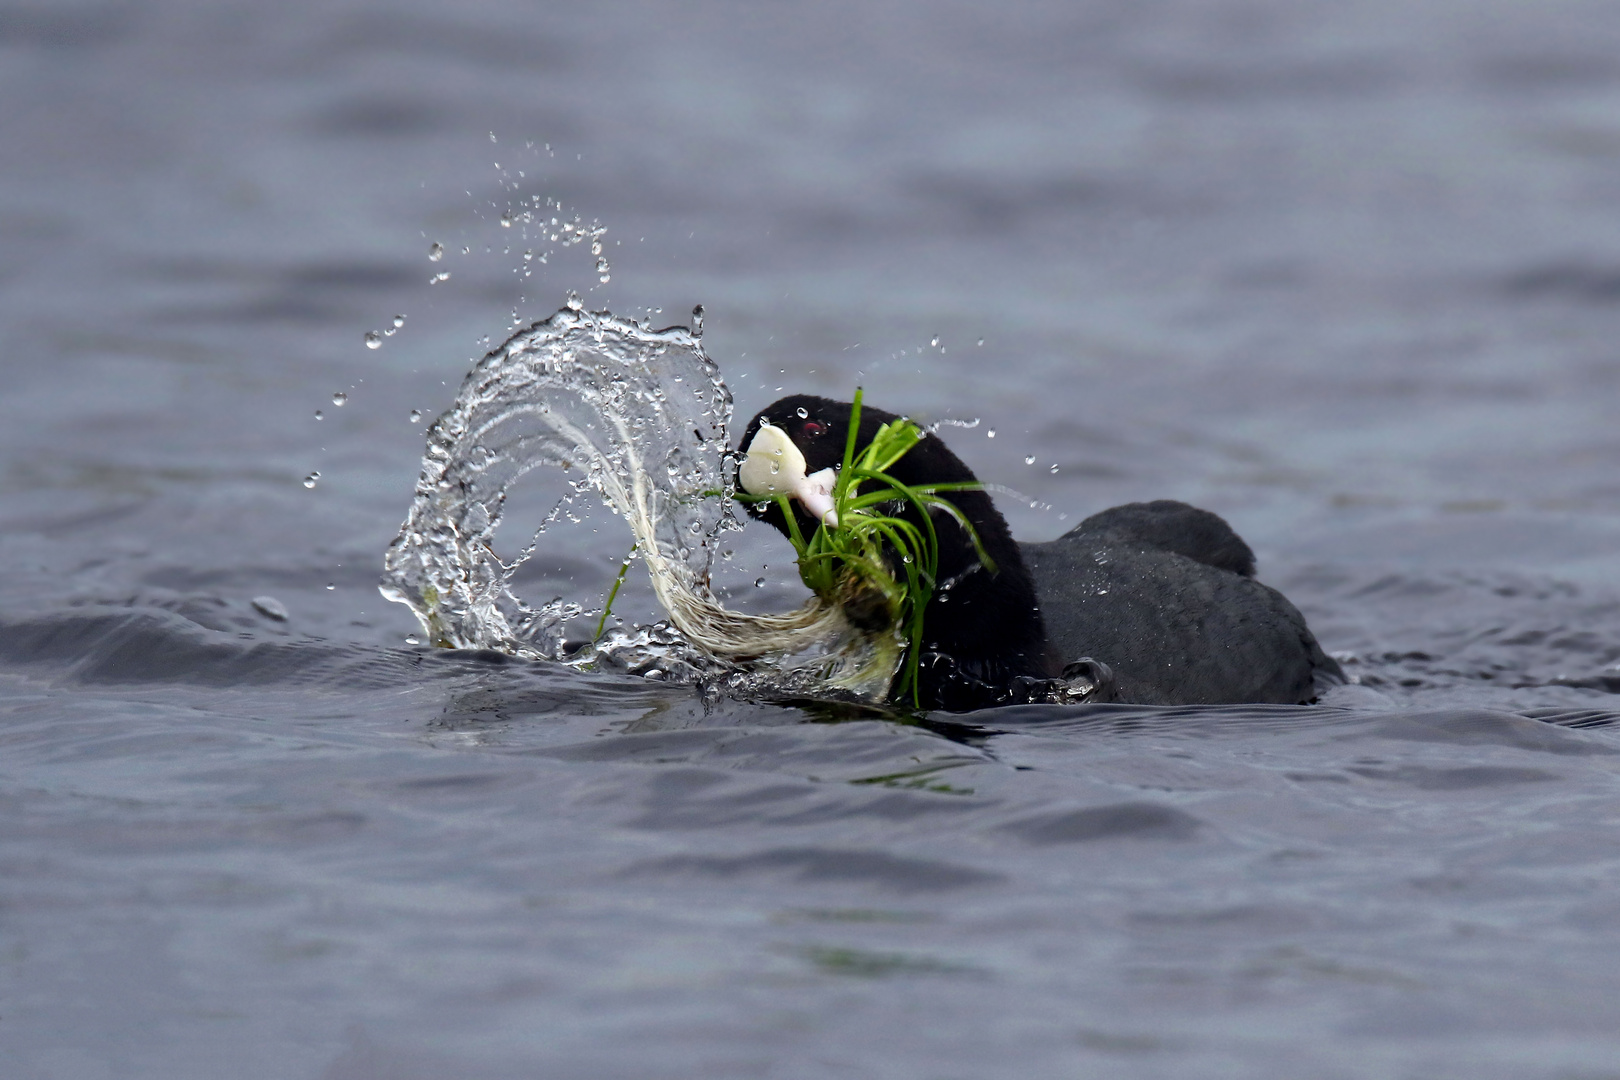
{"x":1346,"y":274}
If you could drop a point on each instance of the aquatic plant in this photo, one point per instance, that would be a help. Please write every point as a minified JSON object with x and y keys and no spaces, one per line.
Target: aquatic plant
{"x":850,"y":559}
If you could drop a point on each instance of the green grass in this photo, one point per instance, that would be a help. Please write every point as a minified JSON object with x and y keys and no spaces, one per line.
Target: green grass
{"x":861,"y":964}
{"x":853,"y":563}
{"x":923,"y":779}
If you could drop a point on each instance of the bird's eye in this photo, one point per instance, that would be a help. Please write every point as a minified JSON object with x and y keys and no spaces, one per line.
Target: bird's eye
{"x":811,"y":427}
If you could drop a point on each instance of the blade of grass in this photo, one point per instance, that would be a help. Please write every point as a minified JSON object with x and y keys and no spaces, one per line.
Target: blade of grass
{"x":608,"y":607}
{"x":854,"y":434}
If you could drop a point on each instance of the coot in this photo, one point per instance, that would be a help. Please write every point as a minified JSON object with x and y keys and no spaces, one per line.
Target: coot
{"x":1151,"y":603}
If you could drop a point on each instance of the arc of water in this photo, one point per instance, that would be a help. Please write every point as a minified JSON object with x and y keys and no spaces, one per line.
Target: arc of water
{"x":443,"y":567}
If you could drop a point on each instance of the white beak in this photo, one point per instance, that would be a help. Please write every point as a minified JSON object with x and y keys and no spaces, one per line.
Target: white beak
{"x":773,"y":465}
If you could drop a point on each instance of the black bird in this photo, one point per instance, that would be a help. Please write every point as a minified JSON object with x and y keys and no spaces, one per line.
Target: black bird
{"x":988,"y":624}
{"x":1161,"y":593}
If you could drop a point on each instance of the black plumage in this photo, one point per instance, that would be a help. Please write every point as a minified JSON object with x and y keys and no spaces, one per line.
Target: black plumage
{"x":1162,"y":593}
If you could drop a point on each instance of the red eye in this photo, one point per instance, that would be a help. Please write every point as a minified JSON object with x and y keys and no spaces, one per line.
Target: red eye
{"x":813,"y":428}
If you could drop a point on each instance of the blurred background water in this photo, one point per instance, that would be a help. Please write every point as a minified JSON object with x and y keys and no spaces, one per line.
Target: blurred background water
{"x":1347,"y":274}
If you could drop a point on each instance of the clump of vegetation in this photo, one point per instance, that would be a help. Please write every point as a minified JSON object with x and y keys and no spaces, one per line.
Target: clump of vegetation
{"x":880,"y":566}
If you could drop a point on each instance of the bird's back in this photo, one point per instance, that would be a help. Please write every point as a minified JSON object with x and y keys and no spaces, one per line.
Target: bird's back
{"x":1161,"y":593}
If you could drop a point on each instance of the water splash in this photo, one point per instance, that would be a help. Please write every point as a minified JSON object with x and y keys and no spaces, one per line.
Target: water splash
{"x":639,"y":418}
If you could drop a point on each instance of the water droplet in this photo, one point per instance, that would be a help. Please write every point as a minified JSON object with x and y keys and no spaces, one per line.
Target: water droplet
{"x":574,"y":303}
{"x":416,"y":416}
{"x":442,"y":275}
{"x":412,"y":639}
{"x":312,"y":479}
{"x":373,"y":339}
{"x":1054,"y":467}
{"x":804,"y":414}
{"x":991,"y":433}
{"x":319,"y":415}
{"x":933,"y":342}
{"x":759,"y":583}
{"x":435,"y":251}
{"x":697,"y":321}
{"x":506,"y":219}
{"x":340,"y":399}
{"x":399,"y":321}
{"x":981,"y":342}
{"x":331,"y":586}
{"x":270,"y":608}
{"x":1030,"y":460}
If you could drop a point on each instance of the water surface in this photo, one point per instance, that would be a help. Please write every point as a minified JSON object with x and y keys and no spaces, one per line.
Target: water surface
{"x":1345,"y":275}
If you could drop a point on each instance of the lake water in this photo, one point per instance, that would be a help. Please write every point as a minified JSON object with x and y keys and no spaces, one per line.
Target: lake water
{"x":1347,"y":274}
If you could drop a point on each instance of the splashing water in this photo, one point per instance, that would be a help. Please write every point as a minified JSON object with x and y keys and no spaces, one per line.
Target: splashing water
{"x":639,"y":417}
